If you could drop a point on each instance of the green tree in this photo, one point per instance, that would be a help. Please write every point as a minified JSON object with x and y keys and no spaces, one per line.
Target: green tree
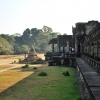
{"x":25,"y":49}
{"x":6,"y":51}
{"x":39,"y":38}
{"x":4,"y":46}
{"x":17,"y":49}
{"x":9,"y":38}
{"x":25,"y":38}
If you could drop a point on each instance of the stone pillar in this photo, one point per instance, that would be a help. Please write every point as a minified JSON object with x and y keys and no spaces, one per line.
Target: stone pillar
{"x":75,"y":47}
{"x":67,"y":46}
{"x":97,"y":49}
{"x":92,"y":50}
{"x":70,"y":60}
{"x":52,"y":47}
{"x":63,"y":49}
{"x":58,"y":48}
{"x":76,"y":44}
{"x":62,"y":61}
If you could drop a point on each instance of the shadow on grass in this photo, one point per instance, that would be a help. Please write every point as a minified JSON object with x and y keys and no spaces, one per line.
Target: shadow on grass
{"x":52,"y":87}
{"x":18,"y":89}
{"x":12,"y":88}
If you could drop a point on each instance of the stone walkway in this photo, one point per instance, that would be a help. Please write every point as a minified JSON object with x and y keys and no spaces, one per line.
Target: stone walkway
{"x":9,"y":68}
{"x":91,"y":78}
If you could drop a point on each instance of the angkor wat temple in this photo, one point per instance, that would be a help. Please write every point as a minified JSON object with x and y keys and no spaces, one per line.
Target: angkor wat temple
{"x":81,"y":51}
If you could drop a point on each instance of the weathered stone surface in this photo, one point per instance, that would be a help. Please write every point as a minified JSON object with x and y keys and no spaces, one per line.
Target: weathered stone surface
{"x":91,"y":78}
{"x":32,"y":56}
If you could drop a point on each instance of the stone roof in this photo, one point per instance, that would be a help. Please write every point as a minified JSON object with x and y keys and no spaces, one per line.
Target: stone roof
{"x":53,"y":41}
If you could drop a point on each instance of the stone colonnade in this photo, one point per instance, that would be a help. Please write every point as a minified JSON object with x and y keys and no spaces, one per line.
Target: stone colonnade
{"x":61,"y":48}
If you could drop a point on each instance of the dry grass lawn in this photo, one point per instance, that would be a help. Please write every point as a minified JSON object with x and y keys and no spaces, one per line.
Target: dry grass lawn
{"x":11,"y":59}
{"x":11,"y":77}
{"x":16,"y":58}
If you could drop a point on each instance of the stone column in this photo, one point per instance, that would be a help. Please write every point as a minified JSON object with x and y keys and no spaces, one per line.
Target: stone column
{"x":76,"y":44}
{"x":97,"y":49}
{"x":70,"y":60}
{"x":92,"y":50}
{"x":75,"y":47}
{"x":63,"y":49}
{"x":52,"y":47}
{"x":67,"y":46}
{"x":59,"y":48}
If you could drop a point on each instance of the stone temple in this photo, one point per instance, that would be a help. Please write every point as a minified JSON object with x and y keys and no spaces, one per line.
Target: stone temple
{"x":32,"y":56}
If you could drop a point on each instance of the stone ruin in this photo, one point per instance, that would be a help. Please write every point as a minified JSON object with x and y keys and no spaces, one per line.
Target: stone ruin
{"x":32,"y":57}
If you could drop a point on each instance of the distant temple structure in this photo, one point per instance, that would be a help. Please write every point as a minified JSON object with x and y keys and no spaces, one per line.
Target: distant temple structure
{"x":32,"y":57}
{"x":81,"y":31}
{"x":62,"y":41}
{"x":85,"y":42}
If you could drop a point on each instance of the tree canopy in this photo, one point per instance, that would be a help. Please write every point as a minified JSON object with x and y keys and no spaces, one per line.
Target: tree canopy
{"x":5,"y":47}
{"x":39,"y":38}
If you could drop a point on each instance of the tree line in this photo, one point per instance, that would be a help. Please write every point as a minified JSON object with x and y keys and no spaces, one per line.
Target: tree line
{"x":18,"y":44}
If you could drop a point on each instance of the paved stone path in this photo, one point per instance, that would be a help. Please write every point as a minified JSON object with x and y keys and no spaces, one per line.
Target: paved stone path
{"x":9,"y":68}
{"x":91,"y":78}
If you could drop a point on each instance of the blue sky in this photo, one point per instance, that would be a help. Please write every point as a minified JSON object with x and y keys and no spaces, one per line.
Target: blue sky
{"x":60,"y":15}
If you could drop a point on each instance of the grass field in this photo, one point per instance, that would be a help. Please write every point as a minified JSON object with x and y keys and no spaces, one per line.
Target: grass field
{"x":55,"y":86}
